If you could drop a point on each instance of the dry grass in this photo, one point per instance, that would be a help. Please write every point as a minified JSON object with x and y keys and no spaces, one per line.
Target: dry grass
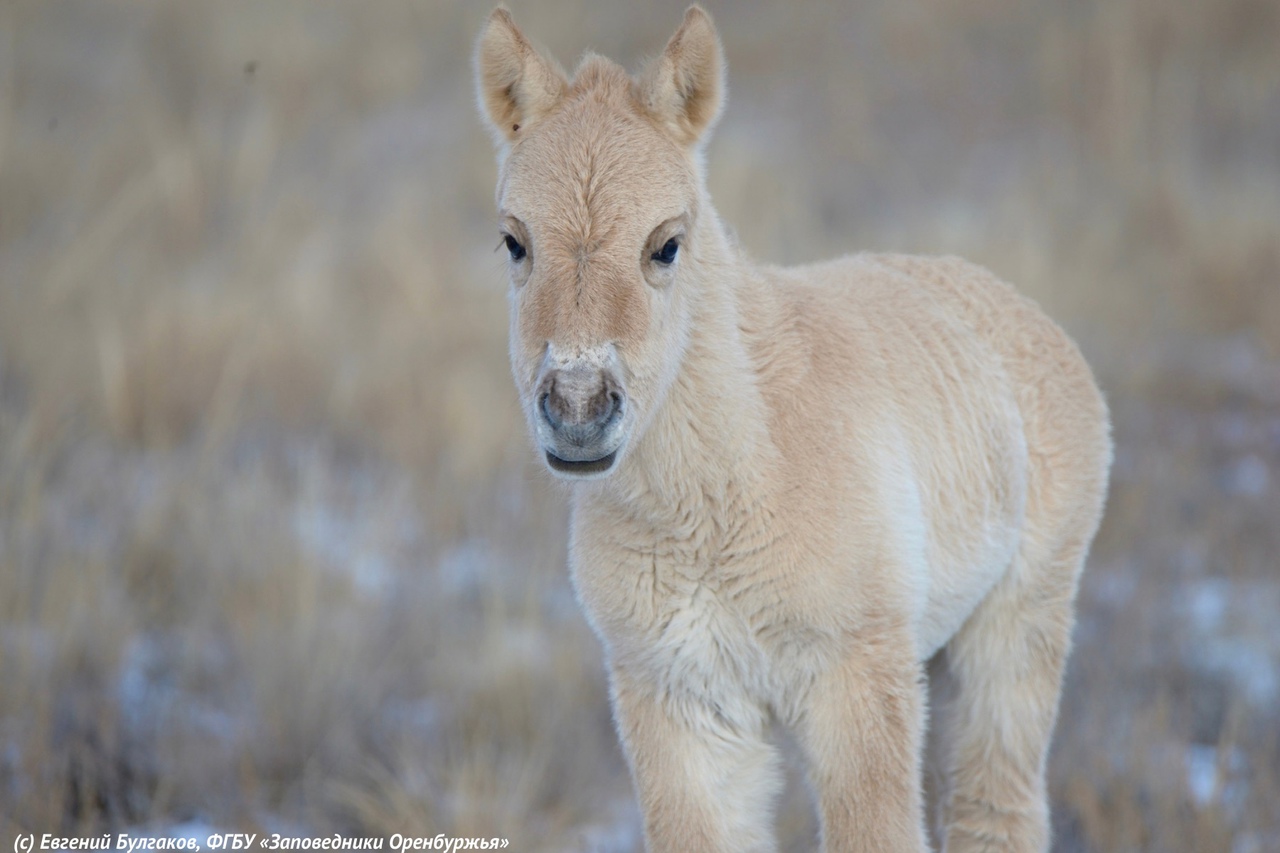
{"x":273,"y":553}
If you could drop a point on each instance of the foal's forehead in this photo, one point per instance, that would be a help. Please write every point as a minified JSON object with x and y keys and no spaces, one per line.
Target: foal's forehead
{"x":596,"y":163}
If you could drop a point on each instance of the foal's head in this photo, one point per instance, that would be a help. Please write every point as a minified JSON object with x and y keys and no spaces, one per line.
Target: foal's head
{"x":598,"y":196}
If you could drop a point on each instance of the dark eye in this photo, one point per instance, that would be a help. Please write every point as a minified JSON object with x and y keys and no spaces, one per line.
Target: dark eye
{"x":667,"y":254}
{"x":514,"y":247}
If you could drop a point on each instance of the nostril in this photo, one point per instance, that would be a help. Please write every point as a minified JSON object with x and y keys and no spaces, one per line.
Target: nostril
{"x":544,"y":404}
{"x":615,"y":400}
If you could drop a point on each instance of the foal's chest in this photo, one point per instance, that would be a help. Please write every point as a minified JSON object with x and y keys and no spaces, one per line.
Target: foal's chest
{"x":692,"y":615}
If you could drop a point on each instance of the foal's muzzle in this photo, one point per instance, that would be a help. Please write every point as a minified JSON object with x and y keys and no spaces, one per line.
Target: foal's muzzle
{"x":580,"y":417}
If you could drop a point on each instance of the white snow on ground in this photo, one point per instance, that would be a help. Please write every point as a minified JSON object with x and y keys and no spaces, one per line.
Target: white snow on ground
{"x":341,"y":542}
{"x":617,"y":832}
{"x":466,"y":568}
{"x":357,"y":519}
{"x":1225,"y":621}
{"x":419,"y":718}
{"x":146,"y":689}
{"x":1202,"y":773}
{"x":1247,"y":475}
{"x":1215,"y":776}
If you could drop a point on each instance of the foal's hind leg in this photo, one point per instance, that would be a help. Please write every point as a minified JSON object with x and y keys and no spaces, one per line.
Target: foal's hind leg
{"x":1007,"y":664}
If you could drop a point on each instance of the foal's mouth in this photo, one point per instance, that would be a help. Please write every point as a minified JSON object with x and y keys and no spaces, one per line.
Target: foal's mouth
{"x":588,"y":466}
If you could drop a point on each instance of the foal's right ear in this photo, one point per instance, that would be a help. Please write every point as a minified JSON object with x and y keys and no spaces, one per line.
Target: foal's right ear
{"x":516,"y":84}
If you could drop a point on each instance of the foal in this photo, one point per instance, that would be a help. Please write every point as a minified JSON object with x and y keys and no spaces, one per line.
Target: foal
{"x":791,"y":488}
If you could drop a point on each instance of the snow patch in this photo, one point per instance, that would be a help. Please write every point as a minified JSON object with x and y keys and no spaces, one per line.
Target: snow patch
{"x":337,"y":540}
{"x":1229,"y":633}
{"x":1248,"y":476}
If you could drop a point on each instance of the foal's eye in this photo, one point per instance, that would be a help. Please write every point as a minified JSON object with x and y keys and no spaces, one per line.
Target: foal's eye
{"x":667,"y":254}
{"x":514,"y":247}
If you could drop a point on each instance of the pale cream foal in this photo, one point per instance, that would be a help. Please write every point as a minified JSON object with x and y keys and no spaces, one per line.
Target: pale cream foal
{"x":790,"y":487}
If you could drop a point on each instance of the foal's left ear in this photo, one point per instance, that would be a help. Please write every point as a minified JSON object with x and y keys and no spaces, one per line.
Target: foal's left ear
{"x":683,"y":89}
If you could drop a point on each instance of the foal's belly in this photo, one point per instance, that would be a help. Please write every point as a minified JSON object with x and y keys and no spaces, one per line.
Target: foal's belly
{"x":953,"y":596}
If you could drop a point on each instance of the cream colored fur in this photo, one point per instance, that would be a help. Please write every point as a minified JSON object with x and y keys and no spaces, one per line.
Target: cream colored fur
{"x":829,"y":475}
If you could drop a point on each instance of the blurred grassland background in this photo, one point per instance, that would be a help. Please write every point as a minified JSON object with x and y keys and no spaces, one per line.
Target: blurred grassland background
{"x":274,"y":553}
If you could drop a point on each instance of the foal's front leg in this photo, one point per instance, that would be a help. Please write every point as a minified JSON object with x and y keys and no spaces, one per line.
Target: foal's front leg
{"x":861,"y":727}
{"x":704,"y":783}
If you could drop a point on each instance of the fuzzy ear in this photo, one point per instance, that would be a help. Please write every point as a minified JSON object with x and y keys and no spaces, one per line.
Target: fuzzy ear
{"x":683,"y":89}
{"x":516,"y":85}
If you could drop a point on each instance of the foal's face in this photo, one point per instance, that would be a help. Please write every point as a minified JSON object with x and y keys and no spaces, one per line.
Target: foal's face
{"x":596,"y":210}
{"x":598,"y":205}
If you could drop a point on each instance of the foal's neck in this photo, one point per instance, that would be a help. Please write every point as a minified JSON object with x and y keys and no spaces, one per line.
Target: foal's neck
{"x":708,"y":442}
